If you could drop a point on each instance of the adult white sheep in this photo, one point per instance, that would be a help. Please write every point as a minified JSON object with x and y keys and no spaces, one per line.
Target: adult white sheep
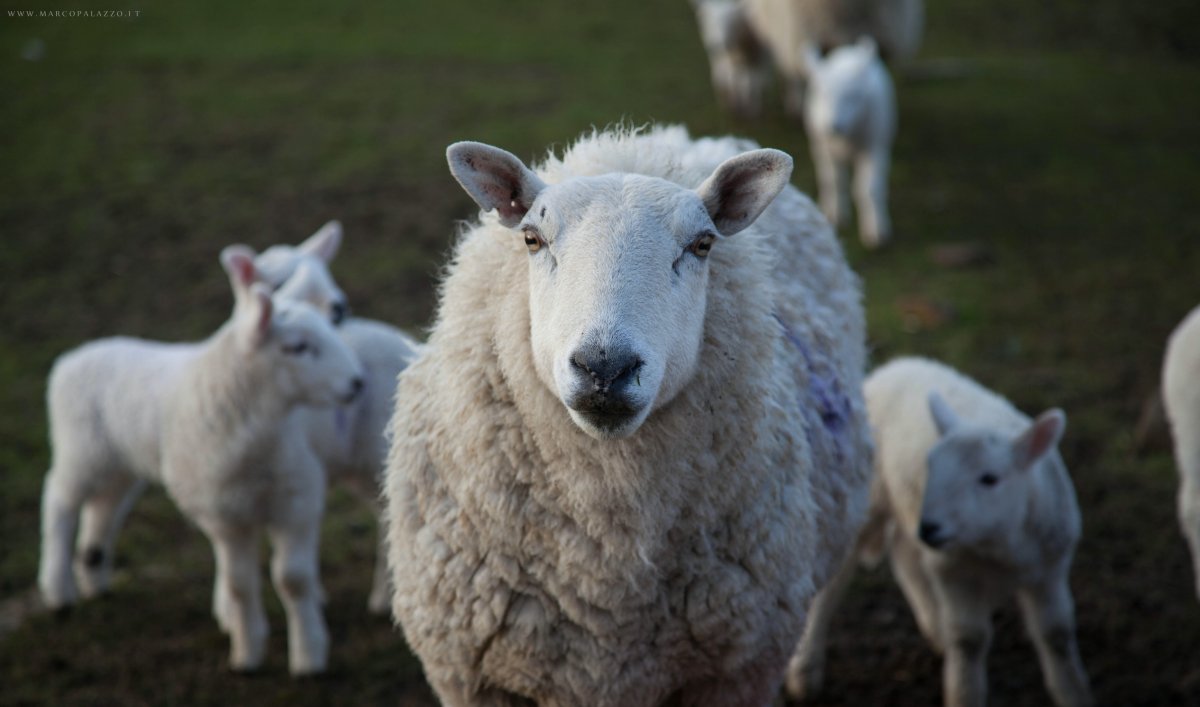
{"x":204,"y":419}
{"x":739,"y":63}
{"x":348,"y":440}
{"x":850,"y":117}
{"x":978,"y":506}
{"x":1181,"y":399}
{"x":635,"y":446}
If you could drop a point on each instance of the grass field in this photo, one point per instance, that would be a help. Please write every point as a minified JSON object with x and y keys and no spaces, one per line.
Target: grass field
{"x":1065,"y":143}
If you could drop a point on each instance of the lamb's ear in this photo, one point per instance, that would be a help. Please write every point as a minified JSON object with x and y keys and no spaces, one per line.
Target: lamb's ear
{"x":238,"y":261}
{"x":867,"y":43}
{"x":325,"y":242}
{"x":254,"y":319}
{"x":495,"y":179}
{"x":1041,"y":437}
{"x":740,"y":189}
{"x":943,"y":417}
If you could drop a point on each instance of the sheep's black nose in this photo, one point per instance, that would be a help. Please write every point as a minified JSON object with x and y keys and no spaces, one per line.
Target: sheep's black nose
{"x":928,"y":532}
{"x":337,"y":312}
{"x":605,"y":370}
{"x":357,"y":384}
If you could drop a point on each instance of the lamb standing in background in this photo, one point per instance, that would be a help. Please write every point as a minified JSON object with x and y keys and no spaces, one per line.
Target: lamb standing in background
{"x":978,"y":506}
{"x":636,"y":446}
{"x":788,"y":27}
{"x":349,"y":441}
{"x":1181,"y":399}
{"x":204,"y":419}
{"x":739,"y":63}
{"x":850,"y":117}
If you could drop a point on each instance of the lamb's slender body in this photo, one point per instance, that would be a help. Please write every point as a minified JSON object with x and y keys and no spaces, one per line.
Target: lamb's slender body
{"x":850,"y":117}
{"x":1181,"y":398}
{"x":978,"y":507}
{"x":349,"y":441}
{"x":567,"y":557}
{"x":204,"y":420}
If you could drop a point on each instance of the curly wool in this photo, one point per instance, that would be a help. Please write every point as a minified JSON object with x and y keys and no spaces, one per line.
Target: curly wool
{"x":531,"y":559}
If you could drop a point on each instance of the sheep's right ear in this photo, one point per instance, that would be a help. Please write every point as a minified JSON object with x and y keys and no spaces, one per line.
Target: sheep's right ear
{"x":238,"y":261}
{"x":943,"y":417}
{"x":1041,"y":437}
{"x":495,"y":179}
{"x":325,"y":242}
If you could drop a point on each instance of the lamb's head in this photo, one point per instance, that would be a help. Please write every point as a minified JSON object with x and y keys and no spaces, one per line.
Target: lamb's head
{"x":301,"y":272}
{"x":839,"y":86}
{"x":618,"y":272}
{"x":980,"y":478}
{"x":310,"y":363}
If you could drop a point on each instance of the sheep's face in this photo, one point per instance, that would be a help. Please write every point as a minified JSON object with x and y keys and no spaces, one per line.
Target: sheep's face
{"x":839,"y":88}
{"x":979,"y":478}
{"x":301,"y":273}
{"x":308,"y":359}
{"x":618,"y":273}
{"x":311,"y":362}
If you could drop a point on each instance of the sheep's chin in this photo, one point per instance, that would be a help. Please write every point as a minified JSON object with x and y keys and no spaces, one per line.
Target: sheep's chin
{"x":604,"y":432}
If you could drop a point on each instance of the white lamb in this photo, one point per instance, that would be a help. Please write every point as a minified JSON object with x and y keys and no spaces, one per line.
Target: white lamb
{"x":787,"y":27}
{"x":636,"y":446}
{"x":738,"y":61}
{"x":1181,"y":398}
{"x":204,"y":419}
{"x":349,"y":440}
{"x":850,"y":118}
{"x":977,"y":506}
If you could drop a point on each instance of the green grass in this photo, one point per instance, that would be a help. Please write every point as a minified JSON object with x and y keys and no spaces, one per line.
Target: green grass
{"x":135,"y":149}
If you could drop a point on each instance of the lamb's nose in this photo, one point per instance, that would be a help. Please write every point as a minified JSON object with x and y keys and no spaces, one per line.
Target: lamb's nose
{"x":337,"y":312}
{"x":607,"y":368}
{"x":356,"y":386}
{"x":928,"y":532}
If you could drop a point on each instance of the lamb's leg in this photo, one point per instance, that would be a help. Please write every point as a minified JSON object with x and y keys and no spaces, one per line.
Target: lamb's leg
{"x":380,"y":601}
{"x":295,"y":572}
{"x":806,"y":671}
{"x":829,"y":180}
{"x":1189,"y":511}
{"x":101,"y":521}
{"x":917,"y":589}
{"x":60,"y":519}
{"x":967,"y":628}
{"x":793,"y":96}
{"x":1049,"y":614}
{"x":236,"y":552}
{"x":870,"y":197}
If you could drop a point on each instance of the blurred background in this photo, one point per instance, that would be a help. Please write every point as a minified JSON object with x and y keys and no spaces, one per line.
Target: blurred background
{"x":1054,"y":142}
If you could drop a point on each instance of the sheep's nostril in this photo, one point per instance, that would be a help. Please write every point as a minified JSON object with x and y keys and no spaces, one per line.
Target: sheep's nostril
{"x":357,"y":385}
{"x":928,"y":531}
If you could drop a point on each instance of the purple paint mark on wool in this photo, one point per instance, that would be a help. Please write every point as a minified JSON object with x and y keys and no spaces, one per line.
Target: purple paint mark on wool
{"x":832,"y":404}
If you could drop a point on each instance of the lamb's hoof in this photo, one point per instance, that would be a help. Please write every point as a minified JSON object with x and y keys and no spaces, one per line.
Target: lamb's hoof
{"x":874,"y":241}
{"x":379,"y":606}
{"x":804,"y":683}
{"x":244,"y":669}
{"x":308,"y":674}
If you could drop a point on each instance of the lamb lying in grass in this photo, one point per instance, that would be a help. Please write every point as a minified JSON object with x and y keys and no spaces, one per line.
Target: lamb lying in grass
{"x":850,"y":117}
{"x":978,"y":507}
{"x":1181,"y":399}
{"x":636,"y":445}
{"x":349,"y":441}
{"x":204,"y":419}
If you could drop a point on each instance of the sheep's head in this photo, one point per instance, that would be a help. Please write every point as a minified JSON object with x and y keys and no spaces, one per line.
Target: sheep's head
{"x":979,"y":477}
{"x":618,"y":272}
{"x":301,"y":273}
{"x":839,"y":85}
{"x":309,"y":361}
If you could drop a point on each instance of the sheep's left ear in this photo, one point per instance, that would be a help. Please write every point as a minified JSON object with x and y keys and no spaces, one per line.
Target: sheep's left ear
{"x":325,"y":242}
{"x":943,"y":417}
{"x":495,"y":179}
{"x":740,"y":189}
{"x":1041,"y":437}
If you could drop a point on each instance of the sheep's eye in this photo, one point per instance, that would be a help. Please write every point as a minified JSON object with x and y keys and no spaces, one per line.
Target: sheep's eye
{"x":533,"y":239}
{"x":702,"y":245}
{"x":988,"y":479}
{"x":296,"y":349}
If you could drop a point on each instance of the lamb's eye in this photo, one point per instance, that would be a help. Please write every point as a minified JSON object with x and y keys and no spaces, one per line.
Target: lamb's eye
{"x":296,"y":349}
{"x":988,"y":479}
{"x":702,"y":245}
{"x":533,"y":239}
